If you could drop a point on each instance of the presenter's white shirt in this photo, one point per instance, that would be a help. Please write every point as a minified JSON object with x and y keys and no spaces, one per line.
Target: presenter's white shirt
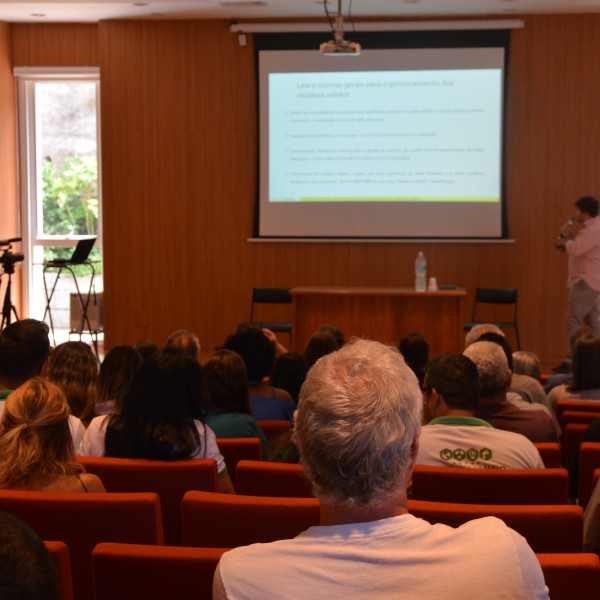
{"x":93,"y":441}
{"x":399,"y":558}
{"x":473,"y":443}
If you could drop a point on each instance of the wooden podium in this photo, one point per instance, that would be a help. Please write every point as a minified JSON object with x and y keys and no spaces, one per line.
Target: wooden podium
{"x":383,"y":314}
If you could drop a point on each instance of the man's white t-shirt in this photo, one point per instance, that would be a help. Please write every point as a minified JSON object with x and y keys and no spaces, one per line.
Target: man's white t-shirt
{"x":399,"y":558}
{"x":473,"y":443}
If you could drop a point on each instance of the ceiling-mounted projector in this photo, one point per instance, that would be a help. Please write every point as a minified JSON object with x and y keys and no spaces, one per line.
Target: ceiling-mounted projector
{"x":339,"y":46}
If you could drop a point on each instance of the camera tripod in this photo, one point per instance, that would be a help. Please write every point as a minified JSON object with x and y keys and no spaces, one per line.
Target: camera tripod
{"x":8,"y":308}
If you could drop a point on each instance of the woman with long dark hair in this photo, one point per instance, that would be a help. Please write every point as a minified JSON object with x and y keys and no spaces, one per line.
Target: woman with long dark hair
{"x":160,"y":417}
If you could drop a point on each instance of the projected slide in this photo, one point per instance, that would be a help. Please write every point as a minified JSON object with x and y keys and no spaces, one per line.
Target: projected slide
{"x":392,"y":143}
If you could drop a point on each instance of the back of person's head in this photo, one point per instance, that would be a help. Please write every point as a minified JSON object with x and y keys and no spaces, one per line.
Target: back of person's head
{"x":588,"y":204}
{"x":492,"y":367}
{"x":477,"y":331}
{"x":27,"y":571}
{"x":185,"y":339}
{"x":24,"y":347}
{"x":580,"y":332}
{"x":319,"y":344}
{"x":455,"y":377}
{"x":358,"y":419}
{"x":156,"y":420}
{"x":289,"y":372}
{"x":225,"y":383}
{"x":527,"y":363}
{"x":336,"y":332}
{"x":501,"y":340}
{"x":116,"y":372}
{"x":256,"y":350}
{"x":73,"y":367}
{"x":586,"y":363}
{"x":35,"y":440}
{"x":146,"y":348}
{"x":414,"y":347}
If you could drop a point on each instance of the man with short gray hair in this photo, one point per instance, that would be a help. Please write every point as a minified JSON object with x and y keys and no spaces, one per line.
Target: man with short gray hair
{"x":357,"y":429}
{"x":494,"y":406}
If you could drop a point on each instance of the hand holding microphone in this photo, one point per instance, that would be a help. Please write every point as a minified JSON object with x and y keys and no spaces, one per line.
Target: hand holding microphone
{"x":565,"y":234}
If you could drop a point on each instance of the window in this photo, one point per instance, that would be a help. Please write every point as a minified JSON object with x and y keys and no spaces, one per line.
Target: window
{"x":60,"y":184}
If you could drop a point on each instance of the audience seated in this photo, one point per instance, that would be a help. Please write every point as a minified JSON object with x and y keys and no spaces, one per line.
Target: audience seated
{"x":24,"y":350}
{"x":586,"y":372}
{"x":73,"y":367}
{"x":258,"y":353}
{"x":591,"y":434}
{"x":414,"y":347}
{"x":27,"y":571}
{"x":186,"y":340}
{"x":591,"y":522}
{"x":36,"y":448}
{"x":146,"y":348}
{"x":357,"y":429}
{"x":116,"y":372}
{"x":567,"y":378}
{"x":494,"y":406}
{"x":226,"y":399}
{"x":164,"y":395}
{"x":288,"y":373}
{"x":454,"y":437}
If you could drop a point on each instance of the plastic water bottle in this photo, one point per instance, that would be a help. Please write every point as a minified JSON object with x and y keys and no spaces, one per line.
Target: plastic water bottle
{"x":420,"y":273}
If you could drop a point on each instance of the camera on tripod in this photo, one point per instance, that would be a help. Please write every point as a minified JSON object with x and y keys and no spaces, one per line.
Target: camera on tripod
{"x":8,"y":259}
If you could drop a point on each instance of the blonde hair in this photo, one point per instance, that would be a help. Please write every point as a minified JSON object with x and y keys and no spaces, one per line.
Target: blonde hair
{"x":36,"y":445}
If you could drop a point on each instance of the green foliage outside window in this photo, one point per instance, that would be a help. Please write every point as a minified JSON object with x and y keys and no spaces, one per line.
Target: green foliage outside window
{"x":70,"y":202}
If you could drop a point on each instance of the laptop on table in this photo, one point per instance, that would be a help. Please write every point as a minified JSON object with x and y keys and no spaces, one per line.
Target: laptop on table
{"x":81,"y":252}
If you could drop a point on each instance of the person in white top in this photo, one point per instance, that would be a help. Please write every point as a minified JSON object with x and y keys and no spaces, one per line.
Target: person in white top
{"x":357,"y":429}
{"x":453,"y":436}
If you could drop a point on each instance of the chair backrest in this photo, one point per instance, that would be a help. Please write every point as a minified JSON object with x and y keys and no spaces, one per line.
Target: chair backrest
{"x":273,"y":429}
{"x":83,"y":520}
{"x":571,"y":439}
{"x":567,"y":404}
{"x":482,"y":486}
{"x":589,"y":461}
{"x":259,"y":478}
{"x":495,"y":296}
{"x":571,"y":576}
{"x":59,"y":552}
{"x":230,"y":520}
{"x":547,"y":528}
{"x":271,"y":296}
{"x":550,"y":453}
{"x":140,"y":572}
{"x":236,"y":449}
{"x":579,"y":416}
{"x":169,"y":479}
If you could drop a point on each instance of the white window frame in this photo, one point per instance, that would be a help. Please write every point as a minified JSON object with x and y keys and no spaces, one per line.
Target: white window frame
{"x":30,"y":159}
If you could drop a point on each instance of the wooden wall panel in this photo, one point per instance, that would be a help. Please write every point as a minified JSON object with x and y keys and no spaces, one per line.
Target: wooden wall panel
{"x":55,"y":45}
{"x":179,"y":164}
{"x":9,"y":205}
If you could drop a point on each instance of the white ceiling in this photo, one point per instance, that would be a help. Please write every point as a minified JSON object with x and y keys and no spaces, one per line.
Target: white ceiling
{"x":91,"y":11}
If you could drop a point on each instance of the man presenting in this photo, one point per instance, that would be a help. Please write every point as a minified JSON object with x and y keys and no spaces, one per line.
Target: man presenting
{"x":581,"y":242}
{"x":357,"y":430}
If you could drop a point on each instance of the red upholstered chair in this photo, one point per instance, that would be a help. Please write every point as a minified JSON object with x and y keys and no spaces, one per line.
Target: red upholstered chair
{"x":169,"y":479}
{"x":228,"y":520}
{"x":140,"y":572}
{"x":59,"y":552}
{"x":83,"y":520}
{"x":236,"y":449}
{"x":571,"y":439}
{"x":482,"y":486}
{"x":550,"y":453}
{"x":258,"y":478}
{"x":563,"y":406}
{"x":589,"y":460}
{"x":273,"y":429}
{"x":570,"y":576}
{"x":547,"y":528}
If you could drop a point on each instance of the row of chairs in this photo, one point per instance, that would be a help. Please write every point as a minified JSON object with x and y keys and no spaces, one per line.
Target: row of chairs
{"x":141,"y":572}
{"x":213,"y":520}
